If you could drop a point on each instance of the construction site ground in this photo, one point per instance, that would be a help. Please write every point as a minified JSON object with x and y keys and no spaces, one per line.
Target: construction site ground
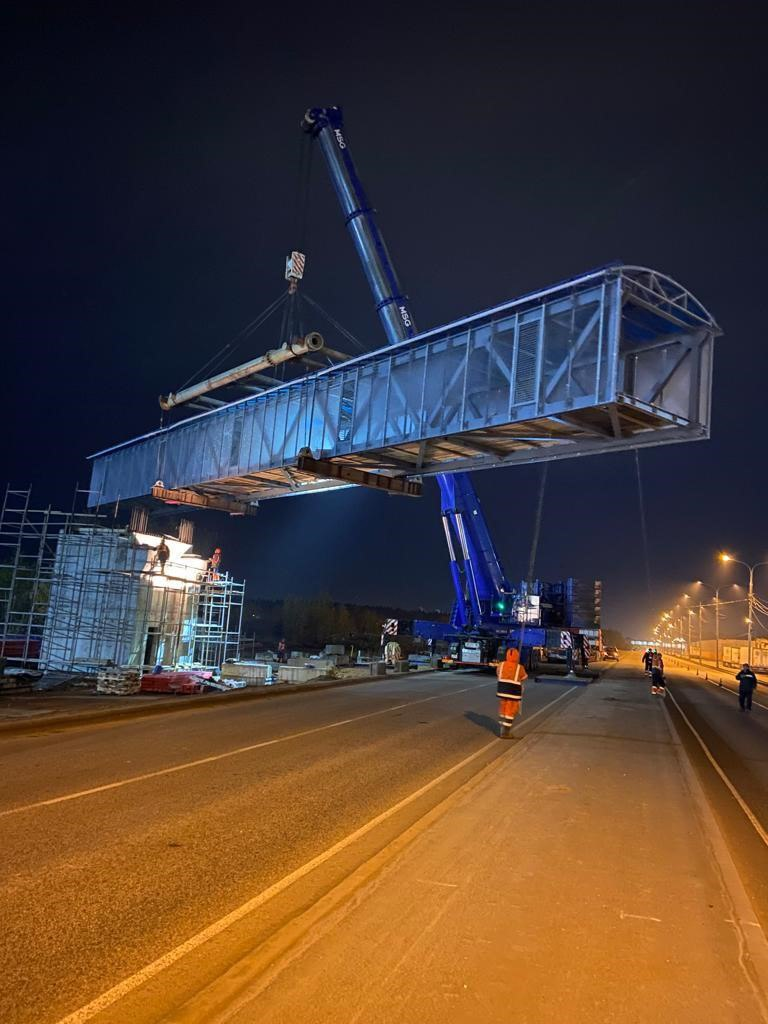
{"x":28,"y":709}
{"x":377,"y":854}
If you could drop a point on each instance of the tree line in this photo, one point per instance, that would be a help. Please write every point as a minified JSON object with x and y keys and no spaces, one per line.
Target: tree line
{"x":314,"y":622}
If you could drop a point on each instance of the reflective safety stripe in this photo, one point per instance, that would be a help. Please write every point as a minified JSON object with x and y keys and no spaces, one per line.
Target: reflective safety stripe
{"x":504,"y":669}
{"x":513,"y":691}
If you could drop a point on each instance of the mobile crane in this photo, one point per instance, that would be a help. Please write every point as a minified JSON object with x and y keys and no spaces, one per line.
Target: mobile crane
{"x":482,"y":613}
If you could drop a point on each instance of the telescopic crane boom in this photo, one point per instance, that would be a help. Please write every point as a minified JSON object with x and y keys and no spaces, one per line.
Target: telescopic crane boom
{"x":482,"y":589}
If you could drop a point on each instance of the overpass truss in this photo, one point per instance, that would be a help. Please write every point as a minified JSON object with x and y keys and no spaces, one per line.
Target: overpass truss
{"x":614,"y":359}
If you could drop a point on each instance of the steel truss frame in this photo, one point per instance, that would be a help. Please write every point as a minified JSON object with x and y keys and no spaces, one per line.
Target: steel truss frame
{"x":617,"y":358}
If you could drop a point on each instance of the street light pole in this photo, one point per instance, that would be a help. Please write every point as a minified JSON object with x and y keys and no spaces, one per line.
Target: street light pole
{"x":750,"y":597}
{"x":701,"y":650}
{"x":690,"y":613}
{"x":717,"y":628}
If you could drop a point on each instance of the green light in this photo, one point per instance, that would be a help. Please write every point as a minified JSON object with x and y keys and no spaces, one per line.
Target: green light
{"x":500,"y":606}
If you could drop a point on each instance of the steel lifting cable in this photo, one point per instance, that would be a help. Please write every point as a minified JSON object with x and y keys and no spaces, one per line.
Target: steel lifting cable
{"x":537,"y":523}
{"x":643,"y":526}
{"x":291,"y":313}
{"x":302,"y":193}
{"x":246,"y":332}
{"x":334,"y":323}
{"x":535,"y":541}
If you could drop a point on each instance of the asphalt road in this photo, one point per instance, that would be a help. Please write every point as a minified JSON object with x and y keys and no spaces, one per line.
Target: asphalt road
{"x":122,"y":841}
{"x":737,"y":743}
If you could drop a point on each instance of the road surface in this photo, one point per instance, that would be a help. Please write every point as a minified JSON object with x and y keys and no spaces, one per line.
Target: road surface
{"x":730,"y":751}
{"x":375,"y":853}
{"x":121,"y":841}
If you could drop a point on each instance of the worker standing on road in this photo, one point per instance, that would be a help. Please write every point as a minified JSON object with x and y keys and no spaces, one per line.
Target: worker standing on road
{"x":509,"y":689}
{"x":282,"y":652}
{"x":747,"y":685}
{"x":647,"y":658}
{"x":657,"y":673}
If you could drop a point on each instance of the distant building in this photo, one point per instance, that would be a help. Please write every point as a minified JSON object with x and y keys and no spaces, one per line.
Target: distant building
{"x":733,"y":652}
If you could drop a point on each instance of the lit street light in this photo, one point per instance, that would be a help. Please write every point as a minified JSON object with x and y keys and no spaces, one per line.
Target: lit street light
{"x":750,"y":596}
{"x":717,"y":603}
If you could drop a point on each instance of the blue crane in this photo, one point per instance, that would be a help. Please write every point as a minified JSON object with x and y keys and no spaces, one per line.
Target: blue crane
{"x":483,"y":593}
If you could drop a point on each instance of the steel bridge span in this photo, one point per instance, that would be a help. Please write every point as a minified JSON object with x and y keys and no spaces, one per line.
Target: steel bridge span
{"x":617,"y":358}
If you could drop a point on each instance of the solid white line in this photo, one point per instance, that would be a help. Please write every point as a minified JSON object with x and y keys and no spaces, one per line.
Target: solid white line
{"x":227,"y":753}
{"x":108,"y":998}
{"x":732,"y":789}
{"x":719,"y":683}
{"x":722,"y":686}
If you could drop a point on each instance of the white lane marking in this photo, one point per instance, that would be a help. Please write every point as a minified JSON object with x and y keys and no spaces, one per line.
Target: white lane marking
{"x":720,"y":684}
{"x":731,"y":788}
{"x":639,"y":917}
{"x":227,"y":753}
{"x":111,"y":996}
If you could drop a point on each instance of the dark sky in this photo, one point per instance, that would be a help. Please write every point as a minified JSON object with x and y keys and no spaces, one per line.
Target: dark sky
{"x":150,"y":198}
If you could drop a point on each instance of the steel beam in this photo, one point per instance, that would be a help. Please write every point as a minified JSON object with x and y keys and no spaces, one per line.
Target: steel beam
{"x":350,"y":475}
{"x":180,"y":496}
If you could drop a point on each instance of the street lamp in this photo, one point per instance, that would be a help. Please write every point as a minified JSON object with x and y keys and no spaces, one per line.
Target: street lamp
{"x":750,"y":596}
{"x":683,"y":600}
{"x":716,"y":592}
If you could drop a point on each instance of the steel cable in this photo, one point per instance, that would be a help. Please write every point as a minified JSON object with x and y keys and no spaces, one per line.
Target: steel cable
{"x":334,"y":323}
{"x":643,"y":527}
{"x":246,"y":332}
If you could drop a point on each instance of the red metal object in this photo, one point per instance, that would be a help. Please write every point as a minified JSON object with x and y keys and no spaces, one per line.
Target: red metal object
{"x":19,"y":647}
{"x":172,"y":682}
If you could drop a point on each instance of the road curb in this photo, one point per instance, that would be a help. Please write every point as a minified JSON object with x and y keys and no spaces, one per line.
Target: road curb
{"x":75,"y":719}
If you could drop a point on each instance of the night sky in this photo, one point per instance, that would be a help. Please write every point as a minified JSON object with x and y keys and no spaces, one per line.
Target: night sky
{"x":150,"y":198}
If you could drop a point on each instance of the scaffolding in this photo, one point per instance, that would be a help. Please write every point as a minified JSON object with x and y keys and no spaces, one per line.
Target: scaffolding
{"x":78,"y":592}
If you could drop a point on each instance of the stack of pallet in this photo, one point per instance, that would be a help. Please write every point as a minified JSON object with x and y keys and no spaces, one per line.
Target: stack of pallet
{"x":118,"y":682}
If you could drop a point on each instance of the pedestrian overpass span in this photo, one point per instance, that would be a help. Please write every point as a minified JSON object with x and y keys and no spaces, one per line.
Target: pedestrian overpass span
{"x":617,"y":358}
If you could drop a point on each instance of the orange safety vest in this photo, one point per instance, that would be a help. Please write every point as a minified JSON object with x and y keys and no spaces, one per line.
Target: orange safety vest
{"x":509,"y":689}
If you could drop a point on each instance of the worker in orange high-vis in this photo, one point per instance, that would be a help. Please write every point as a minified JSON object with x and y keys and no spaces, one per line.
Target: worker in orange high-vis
{"x":509,"y":689}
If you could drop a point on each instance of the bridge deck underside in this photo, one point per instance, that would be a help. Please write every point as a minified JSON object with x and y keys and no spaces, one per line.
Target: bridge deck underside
{"x":593,"y":431}
{"x":620,"y":358}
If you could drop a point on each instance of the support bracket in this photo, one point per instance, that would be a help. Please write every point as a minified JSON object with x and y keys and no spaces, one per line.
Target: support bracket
{"x":180,"y":496}
{"x":351,"y":475}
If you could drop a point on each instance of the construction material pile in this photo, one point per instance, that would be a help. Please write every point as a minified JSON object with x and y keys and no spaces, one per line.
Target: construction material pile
{"x":118,"y":682}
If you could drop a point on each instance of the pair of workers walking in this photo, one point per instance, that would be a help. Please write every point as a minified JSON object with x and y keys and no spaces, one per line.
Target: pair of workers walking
{"x":654,"y":667}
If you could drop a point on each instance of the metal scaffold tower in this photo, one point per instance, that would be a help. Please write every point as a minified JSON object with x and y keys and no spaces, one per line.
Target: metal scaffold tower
{"x":216,"y":621}
{"x":79,"y":592}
